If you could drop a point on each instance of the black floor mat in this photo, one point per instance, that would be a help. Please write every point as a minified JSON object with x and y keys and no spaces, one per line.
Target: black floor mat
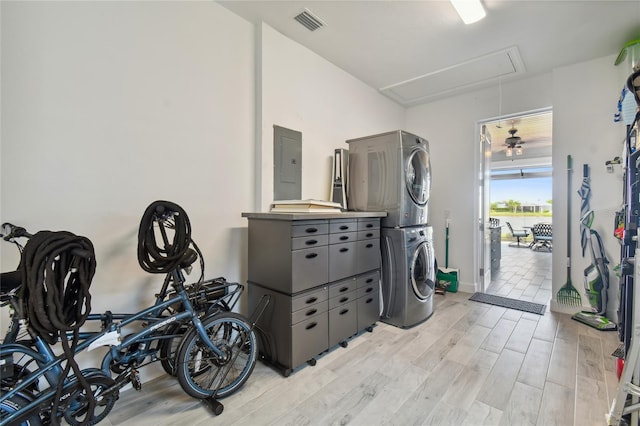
{"x":505,"y":302}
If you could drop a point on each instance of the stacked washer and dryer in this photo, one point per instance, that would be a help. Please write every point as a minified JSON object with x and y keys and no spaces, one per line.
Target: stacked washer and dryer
{"x":391,"y":172}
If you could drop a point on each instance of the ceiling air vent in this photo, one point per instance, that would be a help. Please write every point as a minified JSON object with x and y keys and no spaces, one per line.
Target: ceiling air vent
{"x":309,"y":20}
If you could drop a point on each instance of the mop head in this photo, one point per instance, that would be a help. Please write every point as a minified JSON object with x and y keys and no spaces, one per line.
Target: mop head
{"x":596,"y":321}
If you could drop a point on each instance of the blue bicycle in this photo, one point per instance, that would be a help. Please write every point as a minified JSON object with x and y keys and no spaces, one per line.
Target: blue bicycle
{"x":211,"y":350}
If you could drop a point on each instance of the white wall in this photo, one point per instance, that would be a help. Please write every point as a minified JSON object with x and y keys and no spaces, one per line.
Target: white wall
{"x":585,"y":96}
{"x":450,"y":125}
{"x":108,"y":106}
{"x":304,"y":92}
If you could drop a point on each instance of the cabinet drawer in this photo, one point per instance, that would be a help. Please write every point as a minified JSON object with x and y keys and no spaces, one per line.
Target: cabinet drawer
{"x":308,"y":339}
{"x":334,"y":302}
{"x":368,"y":279}
{"x":370,"y":289}
{"x":368,"y":255}
{"x":343,"y":322}
{"x":309,"y":241}
{"x":342,"y":261}
{"x":310,"y":228}
{"x":309,"y":311}
{"x":342,"y":287}
{"x":343,"y":237}
{"x":367,"y":224}
{"x":309,"y":298}
{"x":342,"y":225}
{"x":371,"y":234}
{"x":309,"y":268}
{"x":368,"y":310}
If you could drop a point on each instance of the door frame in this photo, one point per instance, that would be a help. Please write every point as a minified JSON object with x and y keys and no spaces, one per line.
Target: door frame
{"x":481,"y":162}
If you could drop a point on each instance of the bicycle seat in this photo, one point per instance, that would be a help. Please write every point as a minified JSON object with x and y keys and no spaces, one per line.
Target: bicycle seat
{"x":9,"y":281}
{"x":189,"y":257}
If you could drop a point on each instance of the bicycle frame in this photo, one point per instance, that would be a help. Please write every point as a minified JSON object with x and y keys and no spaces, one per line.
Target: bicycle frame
{"x":49,"y":365}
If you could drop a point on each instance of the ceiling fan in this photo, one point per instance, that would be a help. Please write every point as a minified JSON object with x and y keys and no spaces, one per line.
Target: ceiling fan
{"x":514,"y":143}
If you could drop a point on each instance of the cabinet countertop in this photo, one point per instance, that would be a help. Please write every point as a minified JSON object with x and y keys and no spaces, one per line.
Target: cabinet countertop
{"x":308,"y":216}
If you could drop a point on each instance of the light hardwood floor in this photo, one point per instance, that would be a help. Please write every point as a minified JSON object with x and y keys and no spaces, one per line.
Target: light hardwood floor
{"x":469,"y":364}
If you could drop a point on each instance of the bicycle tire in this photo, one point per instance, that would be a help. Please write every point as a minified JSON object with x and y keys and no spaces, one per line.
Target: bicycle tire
{"x":75,"y":406}
{"x":201,"y":373}
{"x":169,"y":347}
{"x":15,"y":403}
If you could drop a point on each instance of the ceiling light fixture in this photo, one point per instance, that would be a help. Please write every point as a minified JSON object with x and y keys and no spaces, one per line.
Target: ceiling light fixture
{"x":469,"y":10}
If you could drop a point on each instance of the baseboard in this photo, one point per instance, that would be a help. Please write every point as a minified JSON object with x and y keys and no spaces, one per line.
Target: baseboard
{"x":466,"y":288}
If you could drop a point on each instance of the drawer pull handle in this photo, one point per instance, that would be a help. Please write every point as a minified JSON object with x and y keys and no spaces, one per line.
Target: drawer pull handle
{"x":369,"y":234}
{"x":369,"y":280}
{"x":343,"y":289}
{"x":369,"y":300}
{"x":311,"y":242}
{"x":369,"y":245}
{"x":344,"y":237}
{"x":310,"y":326}
{"x":342,"y":250}
{"x":311,"y":230}
{"x":311,"y":255}
{"x":369,"y":225}
{"x":344,"y":299}
{"x":311,"y":312}
{"x":344,"y":227}
{"x":369,"y":290}
{"x":344,"y":311}
{"x":311,"y":300}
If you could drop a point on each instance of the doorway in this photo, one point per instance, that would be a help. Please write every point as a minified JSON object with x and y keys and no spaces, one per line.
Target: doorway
{"x":516,"y":178}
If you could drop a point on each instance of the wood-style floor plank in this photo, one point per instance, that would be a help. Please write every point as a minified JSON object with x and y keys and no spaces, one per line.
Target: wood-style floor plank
{"x":470,"y":364}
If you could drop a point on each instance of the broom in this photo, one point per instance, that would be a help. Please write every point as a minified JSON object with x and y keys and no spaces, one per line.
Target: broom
{"x":568,"y":294}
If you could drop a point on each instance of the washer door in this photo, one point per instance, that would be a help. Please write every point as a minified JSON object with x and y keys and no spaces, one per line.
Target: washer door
{"x":422,"y":271}
{"x":418,"y":176}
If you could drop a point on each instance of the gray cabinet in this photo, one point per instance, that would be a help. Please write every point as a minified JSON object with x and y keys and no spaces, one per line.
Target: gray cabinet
{"x":496,"y":252}
{"x":322,"y":277}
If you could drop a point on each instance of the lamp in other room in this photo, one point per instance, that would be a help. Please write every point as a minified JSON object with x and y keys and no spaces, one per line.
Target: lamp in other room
{"x":513,"y":143}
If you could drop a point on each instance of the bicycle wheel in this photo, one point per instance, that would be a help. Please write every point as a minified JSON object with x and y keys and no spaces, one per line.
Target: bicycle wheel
{"x":169,"y":347}
{"x":201,"y":372}
{"x":13,"y":404}
{"x":77,"y":404}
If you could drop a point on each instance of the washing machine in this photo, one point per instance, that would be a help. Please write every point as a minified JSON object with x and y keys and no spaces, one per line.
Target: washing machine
{"x":391,"y":172}
{"x":408,"y":275}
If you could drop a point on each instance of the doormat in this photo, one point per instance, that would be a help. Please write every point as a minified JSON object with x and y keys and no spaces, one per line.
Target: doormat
{"x":505,"y":302}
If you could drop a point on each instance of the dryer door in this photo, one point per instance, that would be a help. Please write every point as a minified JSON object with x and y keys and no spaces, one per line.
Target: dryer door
{"x":422,"y":271}
{"x":418,"y":176}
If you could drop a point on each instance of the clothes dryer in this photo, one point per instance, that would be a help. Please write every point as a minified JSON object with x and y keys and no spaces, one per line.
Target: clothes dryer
{"x":408,"y":275}
{"x":391,"y":172}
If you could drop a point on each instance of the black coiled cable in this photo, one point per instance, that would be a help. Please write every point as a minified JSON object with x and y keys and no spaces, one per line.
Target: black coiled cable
{"x":57,"y":269}
{"x":163,"y":258}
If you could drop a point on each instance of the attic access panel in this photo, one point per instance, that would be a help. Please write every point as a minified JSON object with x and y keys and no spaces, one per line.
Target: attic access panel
{"x":454,"y":79}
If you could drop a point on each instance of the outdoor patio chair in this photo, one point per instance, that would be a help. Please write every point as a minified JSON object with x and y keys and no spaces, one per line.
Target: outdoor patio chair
{"x":517,"y":234}
{"x":542,"y":236}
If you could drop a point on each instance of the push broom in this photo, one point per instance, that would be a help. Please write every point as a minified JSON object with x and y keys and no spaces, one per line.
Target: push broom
{"x":568,"y":294}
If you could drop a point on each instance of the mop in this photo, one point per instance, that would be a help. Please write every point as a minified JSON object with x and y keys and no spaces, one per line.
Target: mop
{"x":596,"y":281}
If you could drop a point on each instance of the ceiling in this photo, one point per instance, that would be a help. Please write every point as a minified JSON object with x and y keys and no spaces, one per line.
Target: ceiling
{"x":419,"y":51}
{"x":535,"y":131}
